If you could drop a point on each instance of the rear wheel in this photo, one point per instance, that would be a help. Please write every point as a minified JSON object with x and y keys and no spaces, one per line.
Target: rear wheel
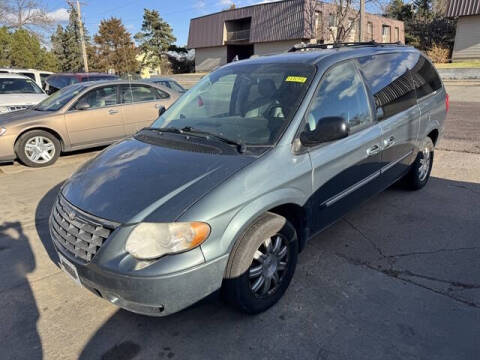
{"x":37,"y":148}
{"x":262,"y":264}
{"x":419,"y":173}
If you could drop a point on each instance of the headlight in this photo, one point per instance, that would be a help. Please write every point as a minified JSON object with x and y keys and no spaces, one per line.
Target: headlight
{"x":4,"y":109}
{"x":2,"y":131}
{"x":152,"y":240}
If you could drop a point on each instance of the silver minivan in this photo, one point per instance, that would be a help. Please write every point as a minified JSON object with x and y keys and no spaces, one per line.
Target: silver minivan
{"x":227,"y":186}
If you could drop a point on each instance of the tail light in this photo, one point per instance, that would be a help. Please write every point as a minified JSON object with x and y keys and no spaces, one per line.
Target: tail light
{"x":447,"y":102}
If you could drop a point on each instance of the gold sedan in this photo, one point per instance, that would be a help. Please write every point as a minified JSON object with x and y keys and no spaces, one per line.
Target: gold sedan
{"x":80,"y":116}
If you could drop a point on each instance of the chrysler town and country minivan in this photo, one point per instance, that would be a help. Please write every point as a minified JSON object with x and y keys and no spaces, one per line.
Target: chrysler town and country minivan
{"x":226,"y":187}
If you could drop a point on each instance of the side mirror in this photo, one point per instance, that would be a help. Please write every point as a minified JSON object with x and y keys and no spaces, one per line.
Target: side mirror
{"x":161,"y":110}
{"x":82,"y":106}
{"x":328,"y":129}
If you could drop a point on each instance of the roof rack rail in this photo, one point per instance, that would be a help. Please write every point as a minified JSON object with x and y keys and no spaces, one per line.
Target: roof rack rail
{"x":302,"y":46}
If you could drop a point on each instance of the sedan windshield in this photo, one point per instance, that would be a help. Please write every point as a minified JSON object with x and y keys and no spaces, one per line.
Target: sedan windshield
{"x":19,"y":86}
{"x":250,"y":104}
{"x":60,"y":98}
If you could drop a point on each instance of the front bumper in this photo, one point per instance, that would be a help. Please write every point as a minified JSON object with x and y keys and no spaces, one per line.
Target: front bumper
{"x":152,"y":295}
{"x":7,"y":147}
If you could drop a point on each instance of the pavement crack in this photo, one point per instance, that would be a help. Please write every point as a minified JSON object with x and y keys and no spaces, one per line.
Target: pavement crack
{"x":466,"y":188}
{"x":413,"y":253}
{"x":372,"y":243}
{"x":405,"y":274}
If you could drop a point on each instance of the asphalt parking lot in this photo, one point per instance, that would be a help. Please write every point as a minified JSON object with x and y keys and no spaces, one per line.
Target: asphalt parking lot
{"x":397,"y":278}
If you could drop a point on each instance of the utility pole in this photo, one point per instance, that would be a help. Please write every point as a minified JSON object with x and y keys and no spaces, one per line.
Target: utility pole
{"x":362,"y":21}
{"x":82,"y":36}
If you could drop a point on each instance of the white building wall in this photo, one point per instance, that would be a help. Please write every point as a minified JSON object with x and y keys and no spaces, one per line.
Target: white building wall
{"x":467,"y":38}
{"x":208,"y":59}
{"x":274,"y":47}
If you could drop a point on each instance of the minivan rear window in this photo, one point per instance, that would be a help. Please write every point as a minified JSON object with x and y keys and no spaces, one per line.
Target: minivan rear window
{"x":425,"y":78}
{"x":390,"y":81}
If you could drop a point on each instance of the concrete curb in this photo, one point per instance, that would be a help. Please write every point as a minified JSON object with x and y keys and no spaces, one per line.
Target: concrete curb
{"x":460,"y":74}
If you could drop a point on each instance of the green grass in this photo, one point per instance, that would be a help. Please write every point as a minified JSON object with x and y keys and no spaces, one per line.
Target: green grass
{"x":459,"y":65}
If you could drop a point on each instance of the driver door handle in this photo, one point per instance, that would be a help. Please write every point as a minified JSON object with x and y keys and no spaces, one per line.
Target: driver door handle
{"x":389,"y":142}
{"x":373,"y":150}
{"x":113,"y":112}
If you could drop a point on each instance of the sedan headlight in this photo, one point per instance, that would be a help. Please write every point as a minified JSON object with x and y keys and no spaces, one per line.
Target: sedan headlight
{"x":4,"y":109}
{"x":152,"y":240}
{"x":2,"y":131}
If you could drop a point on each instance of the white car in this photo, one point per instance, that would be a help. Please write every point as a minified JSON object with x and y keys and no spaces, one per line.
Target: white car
{"x":18,"y":92}
{"x":38,"y":75}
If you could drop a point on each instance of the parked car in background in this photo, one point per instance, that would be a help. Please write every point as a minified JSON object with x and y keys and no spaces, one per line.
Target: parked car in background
{"x":18,"y":92}
{"x":226,"y":187}
{"x":60,"y":80}
{"x":168,"y":82}
{"x":38,"y":76}
{"x":80,"y":116}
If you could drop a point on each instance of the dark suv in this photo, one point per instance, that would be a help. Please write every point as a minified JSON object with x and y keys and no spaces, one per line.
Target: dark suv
{"x":60,"y":80}
{"x":228,"y":185}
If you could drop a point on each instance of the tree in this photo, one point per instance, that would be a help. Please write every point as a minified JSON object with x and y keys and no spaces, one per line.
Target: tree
{"x":66,"y":44}
{"x":5,"y":44}
{"x":397,"y":9}
{"x":114,"y":48}
{"x":30,"y":15}
{"x":155,"y":39}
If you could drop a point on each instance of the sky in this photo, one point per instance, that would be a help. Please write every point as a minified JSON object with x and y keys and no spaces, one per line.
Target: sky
{"x":176,"y":12}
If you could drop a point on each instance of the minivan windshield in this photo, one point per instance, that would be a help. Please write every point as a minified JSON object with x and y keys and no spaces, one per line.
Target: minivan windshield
{"x":250,"y":104}
{"x":60,"y":98}
{"x":19,"y":86}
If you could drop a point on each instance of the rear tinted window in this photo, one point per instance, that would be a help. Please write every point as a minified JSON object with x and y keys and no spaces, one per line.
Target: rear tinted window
{"x":390,"y":80}
{"x":425,"y":77}
{"x":60,"y":81}
{"x":99,"y":77}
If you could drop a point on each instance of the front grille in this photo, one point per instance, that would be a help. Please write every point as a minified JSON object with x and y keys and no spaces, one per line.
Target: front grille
{"x":80,"y":234}
{"x":17,"y":107}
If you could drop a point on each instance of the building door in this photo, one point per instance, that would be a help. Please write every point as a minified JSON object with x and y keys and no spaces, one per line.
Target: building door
{"x":242,"y":51}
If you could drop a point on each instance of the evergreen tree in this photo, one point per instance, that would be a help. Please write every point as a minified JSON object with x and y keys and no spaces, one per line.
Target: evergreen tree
{"x":155,"y":38}
{"x":114,"y":48}
{"x":5,"y":43}
{"x":66,"y":44}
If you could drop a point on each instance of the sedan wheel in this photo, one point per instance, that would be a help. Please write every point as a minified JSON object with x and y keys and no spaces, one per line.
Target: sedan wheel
{"x":40,"y":150}
{"x":37,"y":148}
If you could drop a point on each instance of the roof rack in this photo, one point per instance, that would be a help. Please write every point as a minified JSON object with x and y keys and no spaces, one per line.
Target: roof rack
{"x":302,"y":46}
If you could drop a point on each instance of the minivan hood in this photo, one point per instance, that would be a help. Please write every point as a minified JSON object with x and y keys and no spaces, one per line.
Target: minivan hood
{"x":133,"y":181}
{"x":21,"y":99}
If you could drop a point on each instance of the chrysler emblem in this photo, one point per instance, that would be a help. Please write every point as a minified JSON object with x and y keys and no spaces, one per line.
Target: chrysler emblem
{"x":71,"y":215}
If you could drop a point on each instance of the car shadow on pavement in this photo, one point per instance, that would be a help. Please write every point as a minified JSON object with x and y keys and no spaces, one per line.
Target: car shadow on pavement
{"x":397,"y":277}
{"x":42,"y":214}
{"x":18,"y":311}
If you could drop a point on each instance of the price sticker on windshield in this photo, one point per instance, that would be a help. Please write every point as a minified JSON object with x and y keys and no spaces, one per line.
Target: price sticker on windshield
{"x":297,"y":79}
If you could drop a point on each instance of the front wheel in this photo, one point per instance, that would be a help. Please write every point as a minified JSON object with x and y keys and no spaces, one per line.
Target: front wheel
{"x":262,"y":264}
{"x":419,"y":173}
{"x":38,"y":148}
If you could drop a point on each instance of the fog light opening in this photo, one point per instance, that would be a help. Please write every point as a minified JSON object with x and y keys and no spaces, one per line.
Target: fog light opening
{"x":161,"y":308}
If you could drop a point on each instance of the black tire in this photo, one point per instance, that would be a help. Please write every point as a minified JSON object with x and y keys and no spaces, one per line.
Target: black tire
{"x":25,"y":156}
{"x":237,"y":284}
{"x":416,"y":177}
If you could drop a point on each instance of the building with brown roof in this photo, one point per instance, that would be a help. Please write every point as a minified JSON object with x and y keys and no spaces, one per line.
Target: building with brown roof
{"x":275,"y":27}
{"x":467,"y":37}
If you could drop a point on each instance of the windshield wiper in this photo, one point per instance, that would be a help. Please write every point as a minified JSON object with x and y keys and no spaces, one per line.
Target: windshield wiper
{"x":166,"y":130}
{"x":206,"y":134}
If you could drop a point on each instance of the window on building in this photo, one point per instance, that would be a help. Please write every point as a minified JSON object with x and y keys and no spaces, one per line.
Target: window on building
{"x":332,"y":20}
{"x":397,"y":34}
{"x":369,"y":31}
{"x":318,"y":25}
{"x":386,"y":34}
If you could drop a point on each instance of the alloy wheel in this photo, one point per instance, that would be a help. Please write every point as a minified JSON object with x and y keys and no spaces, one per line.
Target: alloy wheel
{"x":40,"y":149}
{"x":269,"y":266}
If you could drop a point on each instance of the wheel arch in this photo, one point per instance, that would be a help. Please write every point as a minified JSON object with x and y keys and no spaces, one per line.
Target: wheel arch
{"x":42,"y":128}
